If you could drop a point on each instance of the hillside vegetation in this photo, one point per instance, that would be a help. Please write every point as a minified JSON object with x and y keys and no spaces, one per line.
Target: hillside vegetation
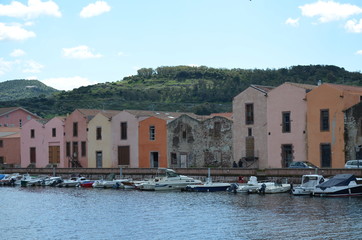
{"x":201,"y":90}
{"x":19,"y":89}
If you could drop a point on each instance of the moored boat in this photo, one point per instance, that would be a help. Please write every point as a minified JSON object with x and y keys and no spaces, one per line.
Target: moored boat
{"x":341,"y":185}
{"x":208,"y":186}
{"x":308,"y":184}
{"x":167,"y":179}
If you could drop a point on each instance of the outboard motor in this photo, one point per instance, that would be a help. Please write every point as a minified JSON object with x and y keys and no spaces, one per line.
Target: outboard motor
{"x":232,"y":188}
{"x":262,"y":189}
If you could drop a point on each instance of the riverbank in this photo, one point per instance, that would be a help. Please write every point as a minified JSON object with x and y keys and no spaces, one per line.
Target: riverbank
{"x":217,"y":174}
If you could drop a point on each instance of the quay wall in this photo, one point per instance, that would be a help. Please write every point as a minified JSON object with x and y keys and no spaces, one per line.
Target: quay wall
{"x":217,"y":174}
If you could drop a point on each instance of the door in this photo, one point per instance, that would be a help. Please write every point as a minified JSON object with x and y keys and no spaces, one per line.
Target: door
{"x":287,"y":155}
{"x":154,"y":159}
{"x":54,"y":154}
{"x":326,"y":155}
{"x":183,"y":158}
{"x":123,"y":155}
{"x":99,"y":159}
{"x":32,"y":155}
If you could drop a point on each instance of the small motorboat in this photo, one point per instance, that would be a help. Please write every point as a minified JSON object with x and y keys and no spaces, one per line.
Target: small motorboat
{"x":252,"y":186}
{"x":308,"y":184}
{"x":208,"y":186}
{"x":72,"y":182}
{"x":116,"y":183}
{"x":274,"y":188}
{"x":86,"y":183}
{"x":51,"y":181}
{"x":166,"y":180}
{"x":341,"y":185}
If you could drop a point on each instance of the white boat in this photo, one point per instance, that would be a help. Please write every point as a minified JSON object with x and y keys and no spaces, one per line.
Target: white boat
{"x":72,"y":182}
{"x":116,"y":183}
{"x":51,"y":181}
{"x":208,"y":186}
{"x":10,"y":179}
{"x":275,"y":188}
{"x":168,"y":179}
{"x":308,"y":184}
{"x":252,"y":186}
{"x":341,"y":185}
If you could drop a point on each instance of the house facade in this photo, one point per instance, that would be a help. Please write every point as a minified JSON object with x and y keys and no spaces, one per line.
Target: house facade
{"x":76,"y":137}
{"x":153,"y":143}
{"x":250,"y":139}
{"x":326,"y":123}
{"x":15,"y":117}
{"x":100,"y":145}
{"x":42,"y":143}
{"x":287,"y":126}
{"x":10,"y":147}
{"x":353,"y":132}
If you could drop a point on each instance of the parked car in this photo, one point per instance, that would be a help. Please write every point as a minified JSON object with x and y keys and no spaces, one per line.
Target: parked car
{"x":301,"y":164}
{"x":353,"y":164}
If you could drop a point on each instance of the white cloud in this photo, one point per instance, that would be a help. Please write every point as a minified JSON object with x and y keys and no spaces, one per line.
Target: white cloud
{"x":17,"y":53}
{"x":14,"y":32}
{"x":67,"y":83}
{"x":5,"y":66}
{"x":34,"y":9}
{"x":292,"y":22}
{"x":359,"y":52}
{"x":354,"y":26}
{"x":80,"y":52}
{"x":95,"y":9}
{"x":327,"y":11}
{"x":32,"y":67}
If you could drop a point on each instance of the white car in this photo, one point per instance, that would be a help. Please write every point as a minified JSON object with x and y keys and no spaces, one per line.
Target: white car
{"x":353,"y":164}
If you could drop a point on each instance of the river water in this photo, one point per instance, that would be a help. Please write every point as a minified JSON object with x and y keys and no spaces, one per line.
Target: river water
{"x":77,"y":213}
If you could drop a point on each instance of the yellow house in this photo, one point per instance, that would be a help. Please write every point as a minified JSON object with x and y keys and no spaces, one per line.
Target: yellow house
{"x":325,"y":123}
{"x":100,"y":140}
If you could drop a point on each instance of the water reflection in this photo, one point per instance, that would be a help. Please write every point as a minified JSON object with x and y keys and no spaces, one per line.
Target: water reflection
{"x":76,"y":213}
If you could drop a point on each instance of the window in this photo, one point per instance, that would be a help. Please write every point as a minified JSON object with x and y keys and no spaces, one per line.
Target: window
{"x":20,"y":123}
{"x":287,"y":155}
{"x":286,"y":127}
{"x":54,"y":132}
{"x":217,"y":129}
{"x":152,"y":133}
{"x":99,"y":133}
{"x":75,"y":129}
{"x":1,"y":144}
{"x":2,"y":160}
{"x":324,"y":120}
{"x":32,"y":133}
{"x":326,"y":155}
{"x":123,"y":130}
{"x":173,"y":158}
{"x":67,"y":149}
{"x":249,"y":113}
{"x":250,"y":132}
{"x":83,"y":149}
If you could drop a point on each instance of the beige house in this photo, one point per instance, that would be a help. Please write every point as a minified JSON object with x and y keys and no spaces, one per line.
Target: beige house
{"x":100,"y":141}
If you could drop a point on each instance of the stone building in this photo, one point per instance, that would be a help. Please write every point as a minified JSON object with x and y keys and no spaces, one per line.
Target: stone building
{"x":353,"y":132}
{"x":200,"y":141}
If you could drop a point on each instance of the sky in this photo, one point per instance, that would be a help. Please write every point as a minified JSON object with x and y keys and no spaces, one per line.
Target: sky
{"x":68,"y":44}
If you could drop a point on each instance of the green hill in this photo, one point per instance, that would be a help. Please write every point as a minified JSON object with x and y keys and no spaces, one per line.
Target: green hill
{"x":201,"y":90}
{"x":19,"y":89}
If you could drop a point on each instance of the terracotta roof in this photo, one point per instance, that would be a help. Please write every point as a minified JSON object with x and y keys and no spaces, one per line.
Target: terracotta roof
{"x":225,"y":115}
{"x":264,"y":89}
{"x":301,"y":85}
{"x":4,"y":111}
{"x":109,"y":113}
{"x":352,"y":89}
{"x":9,"y":129}
{"x":159,"y":114}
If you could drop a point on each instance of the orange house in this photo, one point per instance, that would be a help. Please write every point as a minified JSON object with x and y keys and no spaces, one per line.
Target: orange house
{"x":152,"y":143}
{"x":325,"y":123}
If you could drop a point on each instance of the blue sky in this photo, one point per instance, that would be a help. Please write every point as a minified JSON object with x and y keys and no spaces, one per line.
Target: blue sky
{"x":67,"y":44}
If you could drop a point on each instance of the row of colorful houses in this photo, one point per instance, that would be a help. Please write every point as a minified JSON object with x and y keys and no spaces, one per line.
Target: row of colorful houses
{"x":268,"y":128}
{"x":108,"y":139}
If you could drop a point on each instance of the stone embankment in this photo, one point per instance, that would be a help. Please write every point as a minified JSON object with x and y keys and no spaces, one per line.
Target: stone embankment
{"x":217,"y":174}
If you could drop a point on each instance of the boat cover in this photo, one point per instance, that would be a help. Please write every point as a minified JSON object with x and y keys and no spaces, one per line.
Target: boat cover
{"x":338,"y":180}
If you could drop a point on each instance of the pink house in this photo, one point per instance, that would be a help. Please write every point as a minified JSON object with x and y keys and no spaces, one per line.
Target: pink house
{"x":15,"y":117}
{"x":250,"y":145}
{"x":76,"y":128}
{"x":42,"y":143}
{"x":287,"y":127}
{"x":10,"y":146}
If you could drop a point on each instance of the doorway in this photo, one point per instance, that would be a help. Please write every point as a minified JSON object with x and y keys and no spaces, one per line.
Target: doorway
{"x":99,"y":159}
{"x":154,"y":160}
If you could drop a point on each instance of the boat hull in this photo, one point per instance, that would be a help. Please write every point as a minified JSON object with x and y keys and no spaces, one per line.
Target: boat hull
{"x":355,"y":191}
{"x":208,"y":188}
